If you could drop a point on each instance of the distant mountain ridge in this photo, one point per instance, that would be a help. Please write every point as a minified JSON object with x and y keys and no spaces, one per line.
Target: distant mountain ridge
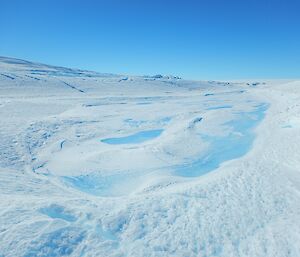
{"x":45,"y":69}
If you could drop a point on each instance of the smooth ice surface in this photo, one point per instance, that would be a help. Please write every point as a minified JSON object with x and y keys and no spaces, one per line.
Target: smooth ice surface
{"x":189,"y":168}
{"x":234,"y":145}
{"x":219,"y":107}
{"x":114,"y":185}
{"x":136,"y":138}
{"x":57,"y":212}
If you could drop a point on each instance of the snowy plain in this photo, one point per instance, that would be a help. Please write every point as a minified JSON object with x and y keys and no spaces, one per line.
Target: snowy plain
{"x":95,"y":164}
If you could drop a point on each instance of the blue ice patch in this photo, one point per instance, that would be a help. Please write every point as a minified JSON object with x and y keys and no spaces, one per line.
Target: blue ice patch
{"x":136,"y":138}
{"x":222,"y":149}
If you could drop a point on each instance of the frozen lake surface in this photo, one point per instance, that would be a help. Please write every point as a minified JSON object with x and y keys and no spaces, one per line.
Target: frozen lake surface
{"x":136,"y":138}
{"x":224,"y":148}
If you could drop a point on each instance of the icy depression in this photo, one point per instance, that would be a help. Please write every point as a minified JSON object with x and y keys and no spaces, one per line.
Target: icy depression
{"x":95,"y":164}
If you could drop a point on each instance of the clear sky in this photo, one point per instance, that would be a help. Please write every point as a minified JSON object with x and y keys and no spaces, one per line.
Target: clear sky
{"x":204,"y":39}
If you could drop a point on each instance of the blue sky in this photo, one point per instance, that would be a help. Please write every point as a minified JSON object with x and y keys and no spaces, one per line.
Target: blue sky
{"x":209,"y":39}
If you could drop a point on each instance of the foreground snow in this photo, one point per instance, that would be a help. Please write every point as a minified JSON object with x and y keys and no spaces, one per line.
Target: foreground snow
{"x":107,"y":165}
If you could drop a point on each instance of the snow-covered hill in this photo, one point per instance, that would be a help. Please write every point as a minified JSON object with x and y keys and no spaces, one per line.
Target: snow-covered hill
{"x":96,"y":164}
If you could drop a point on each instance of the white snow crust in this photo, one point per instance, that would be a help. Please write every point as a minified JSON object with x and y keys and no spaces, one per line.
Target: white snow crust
{"x":196,"y":168}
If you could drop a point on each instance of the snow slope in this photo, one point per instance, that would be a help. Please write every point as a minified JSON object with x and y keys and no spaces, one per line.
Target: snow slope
{"x":96,"y":164}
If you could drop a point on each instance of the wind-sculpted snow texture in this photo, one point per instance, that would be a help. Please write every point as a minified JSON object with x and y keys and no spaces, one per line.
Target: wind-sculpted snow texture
{"x":98,"y":164}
